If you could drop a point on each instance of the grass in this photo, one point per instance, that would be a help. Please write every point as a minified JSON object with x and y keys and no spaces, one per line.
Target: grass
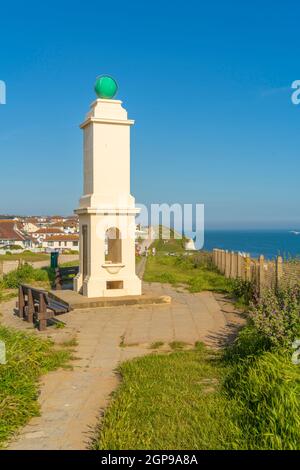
{"x":27,"y":274}
{"x":265,"y":385}
{"x":156,"y":344}
{"x":10,"y":282}
{"x":25,"y":256}
{"x":175,"y":345}
{"x":246,"y":397}
{"x":70,"y":263}
{"x":168,"y":401}
{"x":187,"y":270}
{"x":171,"y":245}
{"x":28,"y":357}
{"x":7,"y":294}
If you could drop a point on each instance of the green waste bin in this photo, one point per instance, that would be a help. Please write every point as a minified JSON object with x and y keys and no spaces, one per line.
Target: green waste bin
{"x":54,"y":259}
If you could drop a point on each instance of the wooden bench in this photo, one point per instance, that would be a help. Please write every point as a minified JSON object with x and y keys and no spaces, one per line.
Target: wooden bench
{"x":64,"y":274}
{"x":35,"y":305}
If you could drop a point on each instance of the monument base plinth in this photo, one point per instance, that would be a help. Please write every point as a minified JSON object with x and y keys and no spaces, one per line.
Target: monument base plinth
{"x":75,"y":301}
{"x":99,"y":287}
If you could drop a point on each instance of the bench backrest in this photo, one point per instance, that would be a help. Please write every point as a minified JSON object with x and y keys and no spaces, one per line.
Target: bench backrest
{"x":67,"y":270}
{"x":35,"y":293}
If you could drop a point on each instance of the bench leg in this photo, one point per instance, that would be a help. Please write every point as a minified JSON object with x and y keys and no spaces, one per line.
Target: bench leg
{"x":58,"y":280}
{"x":42,"y":315}
{"x":21,"y":303}
{"x":30,"y":307}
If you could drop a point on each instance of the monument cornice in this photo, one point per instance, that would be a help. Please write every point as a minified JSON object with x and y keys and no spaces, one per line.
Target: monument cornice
{"x":110,"y":211}
{"x":127,"y":122}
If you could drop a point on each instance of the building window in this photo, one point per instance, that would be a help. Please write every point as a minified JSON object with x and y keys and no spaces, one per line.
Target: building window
{"x":75,"y":243}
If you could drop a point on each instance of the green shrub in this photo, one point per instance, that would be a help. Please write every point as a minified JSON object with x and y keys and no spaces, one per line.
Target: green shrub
{"x":265,"y":387}
{"x":276,"y":315}
{"x":242,"y":290}
{"x":24,"y":274}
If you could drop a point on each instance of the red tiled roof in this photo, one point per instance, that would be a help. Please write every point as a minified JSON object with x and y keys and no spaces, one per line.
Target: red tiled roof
{"x":48,"y":230}
{"x":63,"y":237}
{"x":9,"y":231}
{"x":64,"y":224}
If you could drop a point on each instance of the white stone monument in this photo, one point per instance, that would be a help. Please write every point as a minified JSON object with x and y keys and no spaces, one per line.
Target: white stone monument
{"x":107,"y":209}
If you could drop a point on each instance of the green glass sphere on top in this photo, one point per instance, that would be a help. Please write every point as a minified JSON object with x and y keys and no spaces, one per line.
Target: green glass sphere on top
{"x":106,"y":87}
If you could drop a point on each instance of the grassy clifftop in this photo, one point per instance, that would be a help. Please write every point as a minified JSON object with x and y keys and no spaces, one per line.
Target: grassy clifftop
{"x":173,"y":265}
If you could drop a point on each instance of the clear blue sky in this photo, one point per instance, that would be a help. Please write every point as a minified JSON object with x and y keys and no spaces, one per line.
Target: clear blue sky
{"x":208,"y":84}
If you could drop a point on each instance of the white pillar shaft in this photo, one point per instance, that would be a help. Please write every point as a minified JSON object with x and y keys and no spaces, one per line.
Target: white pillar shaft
{"x":107,"y":203}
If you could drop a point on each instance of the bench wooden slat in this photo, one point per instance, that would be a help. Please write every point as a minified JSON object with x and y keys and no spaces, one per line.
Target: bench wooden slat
{"x":33,"y":304}
{"x":63,"y":274}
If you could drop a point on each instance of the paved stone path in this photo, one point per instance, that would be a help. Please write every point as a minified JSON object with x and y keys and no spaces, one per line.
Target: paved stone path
{"x":140,"y":269}
{"x":71,"y":400}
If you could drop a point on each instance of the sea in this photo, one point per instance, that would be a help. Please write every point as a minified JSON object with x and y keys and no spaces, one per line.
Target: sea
{"x":270,"y":243}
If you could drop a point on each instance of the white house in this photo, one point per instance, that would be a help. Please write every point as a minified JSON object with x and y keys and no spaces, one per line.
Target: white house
{"x":42,"y":233}
{"x":61,"y":242}
{"x":11,"y":235}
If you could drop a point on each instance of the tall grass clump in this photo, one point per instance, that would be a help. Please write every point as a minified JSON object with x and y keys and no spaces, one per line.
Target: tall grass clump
{"x":25,"y":274}
{"x":263,"y":381}
{"x":244,"y":291}
{"x":265,"y":386}
{"x":27,"y":358}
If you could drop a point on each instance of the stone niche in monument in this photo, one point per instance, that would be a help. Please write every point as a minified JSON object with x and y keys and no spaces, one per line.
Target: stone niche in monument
{"x":107,"y":209}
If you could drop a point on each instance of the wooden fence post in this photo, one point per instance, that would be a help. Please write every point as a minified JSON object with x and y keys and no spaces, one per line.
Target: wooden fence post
{"x":233,"y":267}
{"x":215,"y":252}
{"x":279,"y":270}
{"x":247,"y":268}
{"x":218,"y":258}
{"x":261,"y":273}
{"x":227,"y":264}
{"x":239,"y":266}
{"x":231,"y":263}
{"x":243,"y":269}
{"x":222,"y":261}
